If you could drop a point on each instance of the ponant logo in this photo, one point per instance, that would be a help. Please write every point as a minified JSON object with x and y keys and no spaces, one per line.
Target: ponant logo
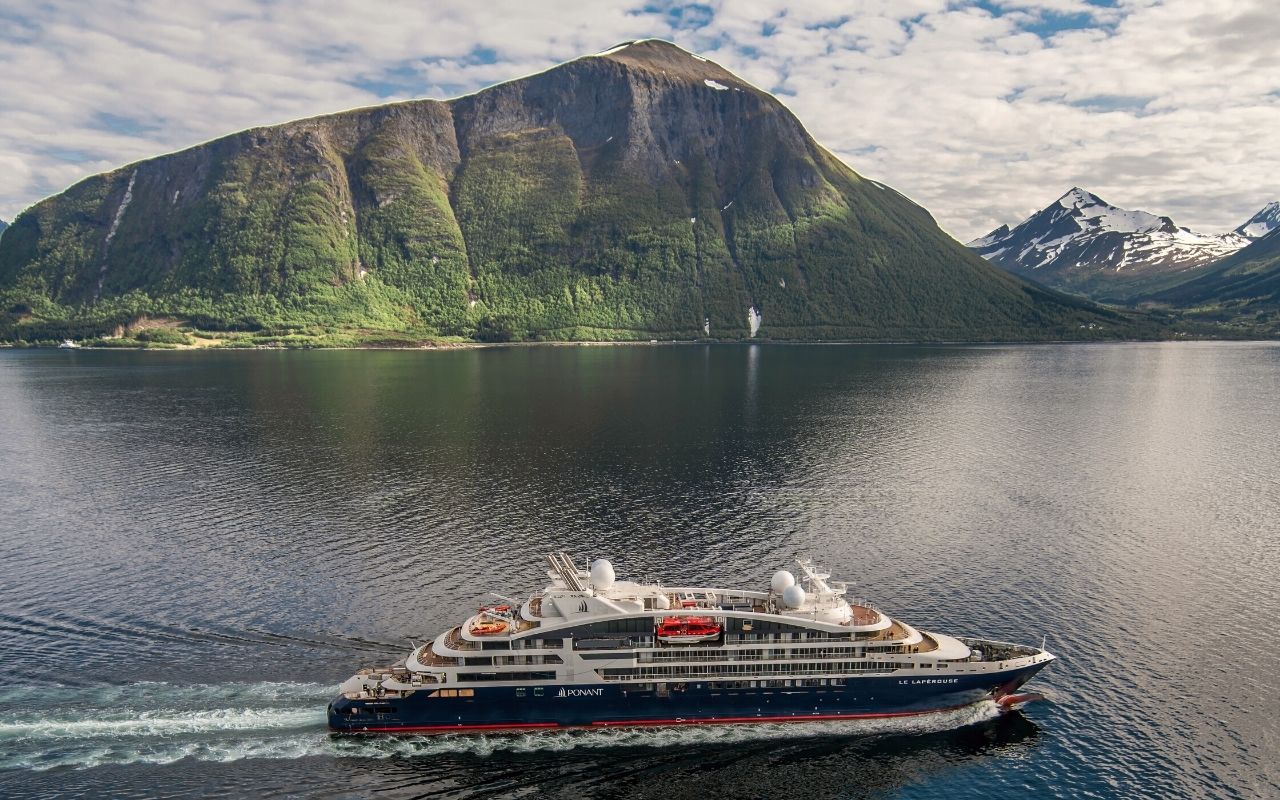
{"x":580,"y":692}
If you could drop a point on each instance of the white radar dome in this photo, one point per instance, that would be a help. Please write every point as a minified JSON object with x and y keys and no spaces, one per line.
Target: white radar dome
{"x":793,"y":596}
{"x":661,"y":602}
{"x":781,"y":580}
{"x":601,"y":574}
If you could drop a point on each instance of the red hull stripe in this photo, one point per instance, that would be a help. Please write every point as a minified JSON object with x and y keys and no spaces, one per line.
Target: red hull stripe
{"x":511,"y":726}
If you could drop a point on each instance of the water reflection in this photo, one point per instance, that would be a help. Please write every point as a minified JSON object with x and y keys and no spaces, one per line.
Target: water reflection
{"x":219,"y":518}
{"x":822,"y":766}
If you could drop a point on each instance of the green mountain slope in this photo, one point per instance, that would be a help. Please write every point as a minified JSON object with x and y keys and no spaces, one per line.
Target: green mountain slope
{"x":1243,"y":287}
{"x":642,"y":192}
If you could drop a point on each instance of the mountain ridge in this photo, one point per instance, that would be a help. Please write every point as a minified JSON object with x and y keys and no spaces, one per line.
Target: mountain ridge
{"x":1083,"y":244}
{"x":637,"y":192}
{"x":1262,"y":223}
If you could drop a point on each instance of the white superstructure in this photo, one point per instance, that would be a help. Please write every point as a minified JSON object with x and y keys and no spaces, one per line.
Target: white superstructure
{"x":587,"y":627}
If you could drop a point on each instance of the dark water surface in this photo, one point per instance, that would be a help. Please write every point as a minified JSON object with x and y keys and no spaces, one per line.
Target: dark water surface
{"x":196,"y":548}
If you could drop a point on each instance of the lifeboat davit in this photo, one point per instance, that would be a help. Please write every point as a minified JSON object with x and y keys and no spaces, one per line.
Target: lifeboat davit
{"x":684,"y":630}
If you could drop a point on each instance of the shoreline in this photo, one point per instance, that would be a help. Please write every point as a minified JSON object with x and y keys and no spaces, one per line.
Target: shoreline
{"x":660,"y":343}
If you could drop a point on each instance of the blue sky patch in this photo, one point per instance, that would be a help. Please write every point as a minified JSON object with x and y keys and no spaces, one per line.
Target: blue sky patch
{"x":1113,"y":102}
{"x":1046,"y":24}
{"x":117,"y":123}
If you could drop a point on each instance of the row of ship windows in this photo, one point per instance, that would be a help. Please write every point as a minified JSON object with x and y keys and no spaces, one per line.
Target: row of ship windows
{"x":506,"y":661}
{"x":595,"y":638}
{"x":699,"y":670}
{"x":759,"y":655}
{"x":534,"y":644}
{"x":538,"y":691}
{"x":816,"y":636}
{"x":760,"y":630}
{"x":679,"y":655}
{"x":453,"y":693}
{"x":516,"y":644}
{"x":648,"y":640}
{"x":507,"y":676}
{"x":752,"y":669}
{"x":774,"y":683}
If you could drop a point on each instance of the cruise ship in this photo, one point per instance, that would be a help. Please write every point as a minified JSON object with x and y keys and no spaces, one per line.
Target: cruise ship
{"x":592,"y":651}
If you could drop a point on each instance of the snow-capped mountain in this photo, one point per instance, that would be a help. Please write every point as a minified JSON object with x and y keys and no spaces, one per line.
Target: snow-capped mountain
{"x":1262,"y":223}
{"x":1081,"y":242}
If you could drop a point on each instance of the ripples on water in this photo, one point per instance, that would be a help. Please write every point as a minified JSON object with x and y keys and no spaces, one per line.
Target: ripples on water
{"x":197,"y":547}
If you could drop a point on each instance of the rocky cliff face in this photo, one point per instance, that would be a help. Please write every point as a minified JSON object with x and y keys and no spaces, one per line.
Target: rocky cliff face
{"x":642,"y":191}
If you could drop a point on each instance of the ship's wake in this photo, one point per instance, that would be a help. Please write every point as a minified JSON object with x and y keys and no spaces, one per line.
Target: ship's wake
{"x":158,"y":723}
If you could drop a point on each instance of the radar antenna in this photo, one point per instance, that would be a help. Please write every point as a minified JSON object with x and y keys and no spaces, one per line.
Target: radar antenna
{"x":818,"y":580}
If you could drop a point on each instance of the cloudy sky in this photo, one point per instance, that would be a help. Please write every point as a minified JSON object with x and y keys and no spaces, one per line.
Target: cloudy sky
{"x":981,"y":111}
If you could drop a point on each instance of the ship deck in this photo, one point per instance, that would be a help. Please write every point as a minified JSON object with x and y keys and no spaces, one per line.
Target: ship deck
{"x":427,"y":656}
{"x":863,"y":615}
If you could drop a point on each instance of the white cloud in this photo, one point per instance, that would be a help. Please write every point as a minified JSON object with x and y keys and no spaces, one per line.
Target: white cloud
{"x":980,"y":116}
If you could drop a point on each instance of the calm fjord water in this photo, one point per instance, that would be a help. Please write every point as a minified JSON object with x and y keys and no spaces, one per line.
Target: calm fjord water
{"x":198,"y":546}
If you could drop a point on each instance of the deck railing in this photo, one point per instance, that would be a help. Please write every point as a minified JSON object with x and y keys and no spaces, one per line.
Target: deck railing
{"x":427,"y":656}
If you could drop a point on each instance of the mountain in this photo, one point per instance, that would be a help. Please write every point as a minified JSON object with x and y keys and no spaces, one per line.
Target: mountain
{"x":1083,"y":244}
{"x":1262,"y":223}
{"x":1243,"y":287}
{"x":3,"y":225}
{"x":640,"y":192}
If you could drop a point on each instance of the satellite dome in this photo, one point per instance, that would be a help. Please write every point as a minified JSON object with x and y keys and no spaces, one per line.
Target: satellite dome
{"x":781,"y":580}
{"x":661,"y":602}
{"x":793,"y":596}
{"x":601,"y":574}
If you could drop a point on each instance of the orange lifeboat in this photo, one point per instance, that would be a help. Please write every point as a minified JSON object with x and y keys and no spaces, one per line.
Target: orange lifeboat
{"x":684,"y":630}
{"x":489,"y":627}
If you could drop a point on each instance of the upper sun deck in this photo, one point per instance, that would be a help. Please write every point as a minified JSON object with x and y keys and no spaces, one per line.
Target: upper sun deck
{"x":576,"y":597}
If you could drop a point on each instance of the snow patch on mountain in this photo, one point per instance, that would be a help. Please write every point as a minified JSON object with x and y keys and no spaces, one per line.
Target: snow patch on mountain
{"x":1094,"y":215}
{"x":1262,"y":223}
{"x":1080,"y":233}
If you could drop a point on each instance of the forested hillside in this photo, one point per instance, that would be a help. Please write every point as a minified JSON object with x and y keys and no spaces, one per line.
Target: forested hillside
{"x":643,"y":192}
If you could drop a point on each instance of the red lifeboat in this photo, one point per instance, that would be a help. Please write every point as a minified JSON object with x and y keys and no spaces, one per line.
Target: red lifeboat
{"x":681,"y":630}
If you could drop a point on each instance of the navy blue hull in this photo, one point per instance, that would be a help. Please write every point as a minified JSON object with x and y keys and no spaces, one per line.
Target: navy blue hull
{"x":596,"y":705}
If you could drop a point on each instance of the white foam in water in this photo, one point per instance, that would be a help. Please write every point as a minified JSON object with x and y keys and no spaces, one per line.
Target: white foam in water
{"x":127,"y":722}
{"x":52,"y":726}
{"x":286,"y":721}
